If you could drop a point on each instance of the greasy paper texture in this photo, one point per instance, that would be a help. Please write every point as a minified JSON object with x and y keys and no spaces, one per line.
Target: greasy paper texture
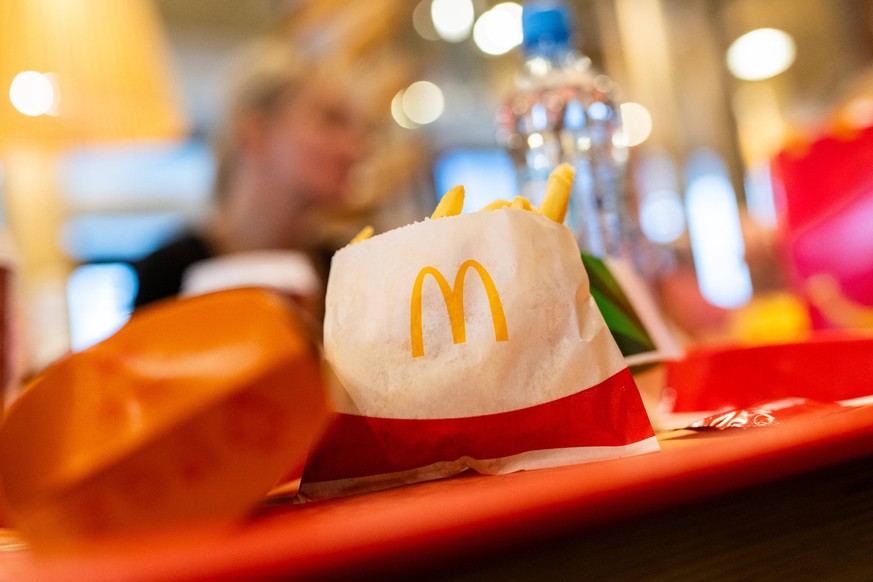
{"x":556,"y":344}
{"x":469,"y":342}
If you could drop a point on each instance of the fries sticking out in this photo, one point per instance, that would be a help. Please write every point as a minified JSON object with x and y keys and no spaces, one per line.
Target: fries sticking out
{"x":565,"y":171}
{"x":558,"y":193}
{"x":496,"y":205}
{"x":521,"y":203}
{"x":451,"y":205}
{"x":554,"y":204}
{"x":365,"y":233}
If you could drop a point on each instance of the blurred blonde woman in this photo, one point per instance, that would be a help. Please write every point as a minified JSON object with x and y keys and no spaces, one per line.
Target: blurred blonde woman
{"x":285,"y":152}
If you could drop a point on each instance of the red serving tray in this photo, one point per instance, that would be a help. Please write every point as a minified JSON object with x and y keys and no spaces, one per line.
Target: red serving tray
{"x":416,"y":528}
{"x":829,"y":367}
{"x":413,"y":528}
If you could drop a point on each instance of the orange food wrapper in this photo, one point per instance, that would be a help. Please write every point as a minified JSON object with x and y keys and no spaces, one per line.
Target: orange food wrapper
{"x":192,"y":411}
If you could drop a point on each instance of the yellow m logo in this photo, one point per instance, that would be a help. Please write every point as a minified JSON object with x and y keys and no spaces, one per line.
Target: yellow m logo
{"x":454,"y":298}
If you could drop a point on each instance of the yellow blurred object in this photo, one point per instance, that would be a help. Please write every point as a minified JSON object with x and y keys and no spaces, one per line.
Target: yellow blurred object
{"x":109,"y":70}
{"x":564,"y":171}
{"x":451,"y":204}
{"x":193,"y":411}
{"x":71,"y":74}
{"x":521,"y":203}
{"x":772,"y":318}
{"x":366,"y":232}
{"x":496,"y":205}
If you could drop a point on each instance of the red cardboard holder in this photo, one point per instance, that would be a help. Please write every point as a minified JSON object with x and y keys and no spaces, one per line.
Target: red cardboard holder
{"x":829,"y":367}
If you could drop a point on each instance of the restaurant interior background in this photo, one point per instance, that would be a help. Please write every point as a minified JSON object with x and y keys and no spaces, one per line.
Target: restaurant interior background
{"x":81,"y":205}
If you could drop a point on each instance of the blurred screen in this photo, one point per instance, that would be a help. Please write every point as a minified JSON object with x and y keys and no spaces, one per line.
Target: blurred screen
{"x":486,"y":174}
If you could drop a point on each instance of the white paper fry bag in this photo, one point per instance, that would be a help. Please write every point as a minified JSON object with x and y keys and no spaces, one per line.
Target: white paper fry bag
{"x":469,"y":342}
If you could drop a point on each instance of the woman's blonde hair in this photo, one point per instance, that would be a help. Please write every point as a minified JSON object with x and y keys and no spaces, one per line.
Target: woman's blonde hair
{"x":261,"y":77}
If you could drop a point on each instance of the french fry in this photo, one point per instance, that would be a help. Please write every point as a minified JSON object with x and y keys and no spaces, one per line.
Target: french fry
{"x":365,"y":233}
{"x":521,"y":203}
{"x":557,"y":195}
{"x":566,"y":171}
{"x":451,"y":205}
{"x":496,"y":205}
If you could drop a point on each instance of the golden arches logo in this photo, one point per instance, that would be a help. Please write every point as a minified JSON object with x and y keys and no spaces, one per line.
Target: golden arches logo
{"x":454,"y":299}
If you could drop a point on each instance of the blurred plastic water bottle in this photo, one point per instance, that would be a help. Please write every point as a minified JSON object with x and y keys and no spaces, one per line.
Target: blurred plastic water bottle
{"x":562,"y":110}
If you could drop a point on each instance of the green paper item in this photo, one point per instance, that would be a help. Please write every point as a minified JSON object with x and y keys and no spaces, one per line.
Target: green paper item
{"x":636,"y":340}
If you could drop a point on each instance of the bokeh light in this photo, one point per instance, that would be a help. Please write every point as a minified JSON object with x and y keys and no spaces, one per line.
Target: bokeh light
{"x":422,"y":21}
{"x":761,"y":54}
{"x":398,"y":114}
{"x":661,"y":210}
{"x":662,"y":216}
{"x":535,"y":140}
{"x":498,"y":30}
{"x":452,"y":19}
{"x":760,"y":199}
{"x":637,"y":123}
{"x":32,"y":93}
{"x":423,"y":102}
{"x":715,"y":232}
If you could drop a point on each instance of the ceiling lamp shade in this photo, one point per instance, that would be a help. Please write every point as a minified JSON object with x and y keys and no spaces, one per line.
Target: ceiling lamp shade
{"x":84,"y":71}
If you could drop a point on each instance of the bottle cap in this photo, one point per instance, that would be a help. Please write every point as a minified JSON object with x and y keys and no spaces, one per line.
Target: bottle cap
{"x":546,"y":24}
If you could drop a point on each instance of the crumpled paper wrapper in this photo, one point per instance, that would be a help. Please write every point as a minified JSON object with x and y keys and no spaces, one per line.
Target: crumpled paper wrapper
{"x":190,"y":413}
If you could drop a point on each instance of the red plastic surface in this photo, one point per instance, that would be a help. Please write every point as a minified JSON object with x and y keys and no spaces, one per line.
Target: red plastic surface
{"x":824,"y":198}
{"x":412,"y":528}
{"x":829,"y":368}
{"x":821,"y":177}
